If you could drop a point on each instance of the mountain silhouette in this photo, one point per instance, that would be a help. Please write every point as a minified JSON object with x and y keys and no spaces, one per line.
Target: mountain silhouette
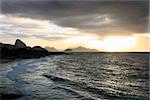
{"x":80,"y":49}
{"x":20,"y":50}
{"x":51,"y":49}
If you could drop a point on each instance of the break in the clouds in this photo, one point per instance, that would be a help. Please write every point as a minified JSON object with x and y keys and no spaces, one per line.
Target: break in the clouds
{"x":99,"y":24}
{"x":100,"y":17}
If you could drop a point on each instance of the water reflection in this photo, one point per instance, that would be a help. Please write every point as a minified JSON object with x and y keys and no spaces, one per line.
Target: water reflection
{"x":84,"y":76}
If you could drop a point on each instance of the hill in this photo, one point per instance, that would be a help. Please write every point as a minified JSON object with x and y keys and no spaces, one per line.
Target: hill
{"x":80,"y":49}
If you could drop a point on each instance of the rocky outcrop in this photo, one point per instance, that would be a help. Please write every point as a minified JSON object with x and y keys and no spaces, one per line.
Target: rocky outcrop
{"x":20,"y":50}
{"x":20,"y":44}
{"x":39,"y":49}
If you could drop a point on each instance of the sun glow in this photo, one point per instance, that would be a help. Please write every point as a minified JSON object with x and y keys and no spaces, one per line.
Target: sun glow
{"x":109,"y":44}
{"x":119,"y":43}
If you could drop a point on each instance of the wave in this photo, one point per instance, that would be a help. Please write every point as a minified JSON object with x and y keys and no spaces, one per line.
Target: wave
{"x":21,"y":68}
{"x":74,"y":78}
{"x":99,"y":93}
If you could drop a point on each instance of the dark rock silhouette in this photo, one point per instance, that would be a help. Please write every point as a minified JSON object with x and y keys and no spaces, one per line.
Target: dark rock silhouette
{"x":20,"y":50}
{"x":68,"y":50}
{"x":20,"y":44}
{"x":38,"y":48}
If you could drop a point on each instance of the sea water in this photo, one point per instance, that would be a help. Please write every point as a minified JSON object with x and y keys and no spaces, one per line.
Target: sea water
{"x":79,"y":76}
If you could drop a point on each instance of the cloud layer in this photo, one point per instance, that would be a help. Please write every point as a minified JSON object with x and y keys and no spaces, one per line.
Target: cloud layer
{"x":99,"y":17}
{"x":69,"y":23}
{"x":25,"y":27}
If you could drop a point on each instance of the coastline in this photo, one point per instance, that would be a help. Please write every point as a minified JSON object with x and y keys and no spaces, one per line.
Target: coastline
{"x":7,"y":86}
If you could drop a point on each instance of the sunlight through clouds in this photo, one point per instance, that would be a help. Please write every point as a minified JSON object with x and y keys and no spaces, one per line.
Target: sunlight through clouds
{"x":102,"y":25}
{"x":118,"y":43}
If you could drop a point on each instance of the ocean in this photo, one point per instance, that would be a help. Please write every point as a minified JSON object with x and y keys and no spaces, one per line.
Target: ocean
{"x":78,"y":76}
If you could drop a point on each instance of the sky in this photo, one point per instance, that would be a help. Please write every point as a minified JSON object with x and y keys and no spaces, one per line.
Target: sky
{"x":106,"y":25}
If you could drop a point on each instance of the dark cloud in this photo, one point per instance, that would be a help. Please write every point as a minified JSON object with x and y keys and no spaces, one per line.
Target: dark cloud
{"x":92,"y":16}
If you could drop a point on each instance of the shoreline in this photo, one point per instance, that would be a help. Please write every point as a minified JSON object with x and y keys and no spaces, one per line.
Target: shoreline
{"x":7,"y":86}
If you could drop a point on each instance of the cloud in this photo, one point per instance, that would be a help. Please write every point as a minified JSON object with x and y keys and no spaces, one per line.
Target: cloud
{"x":17,"y":27}
{"x":100,"y":17}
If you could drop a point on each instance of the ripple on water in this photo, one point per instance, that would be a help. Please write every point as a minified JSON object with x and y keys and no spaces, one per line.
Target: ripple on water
{"x":83,"y":76}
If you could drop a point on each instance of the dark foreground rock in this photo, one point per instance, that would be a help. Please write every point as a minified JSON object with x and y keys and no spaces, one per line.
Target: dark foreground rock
{"x":20,"y":50}
{"x":20,"y":44}
{"x":4,"y":96}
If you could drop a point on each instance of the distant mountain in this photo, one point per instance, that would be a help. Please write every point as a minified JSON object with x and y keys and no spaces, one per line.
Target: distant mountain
{"x":68,"y":50}
{"x":80,"y":49}
{"x":51,"y":49}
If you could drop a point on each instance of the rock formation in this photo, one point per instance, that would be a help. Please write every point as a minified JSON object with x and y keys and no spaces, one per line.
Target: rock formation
{"x":38,"y":48}
{"x":20,"y":44}
{"x":20,"y":50}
